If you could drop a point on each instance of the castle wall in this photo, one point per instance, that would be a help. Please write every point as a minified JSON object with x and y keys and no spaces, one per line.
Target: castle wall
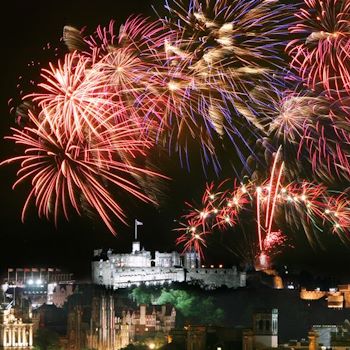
{"x":124,"y":277}
{"x":124,"y":270}
{"x":139,"y":259}
{"x":167,"y":259}
{"x":216,"y":277}
{"x":311,"y":294}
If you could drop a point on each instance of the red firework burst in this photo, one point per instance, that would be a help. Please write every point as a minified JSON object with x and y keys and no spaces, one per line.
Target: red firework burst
{"x":66,"y":171}
{"x":273,"y":201}
{"x":72,"y":101}
{"x":320,"y":52}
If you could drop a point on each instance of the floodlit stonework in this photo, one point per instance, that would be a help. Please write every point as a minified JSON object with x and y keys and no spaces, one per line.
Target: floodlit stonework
{"x":338,"y":298}
{"x":15,"y":333}
{"x":138,"y":267}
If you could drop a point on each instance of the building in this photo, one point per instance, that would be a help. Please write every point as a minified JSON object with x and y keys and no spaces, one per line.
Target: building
{"x":337,"y":298}
{"x":15,"y":331}
{"x":124,"y":270}
{"x":322,"y":337}
{"x":332,"y":336}
{"x":148,"y":320}
{"x":264,"y":334}
{"x":58,"y":293}
{"x":22,"y":277}
{"x":40,"y":285}
{"x":102,"y":325}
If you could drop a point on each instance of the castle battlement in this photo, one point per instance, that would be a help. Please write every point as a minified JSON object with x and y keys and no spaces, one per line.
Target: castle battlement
{"x":138,"y":267}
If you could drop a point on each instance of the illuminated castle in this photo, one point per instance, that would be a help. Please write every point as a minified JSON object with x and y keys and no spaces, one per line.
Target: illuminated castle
{"x":138,"y":267}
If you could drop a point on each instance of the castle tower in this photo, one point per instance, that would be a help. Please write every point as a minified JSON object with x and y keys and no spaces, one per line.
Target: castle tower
{"x":265,"y":328}
{"x":135,"y":247}
{"x":192,"y":260}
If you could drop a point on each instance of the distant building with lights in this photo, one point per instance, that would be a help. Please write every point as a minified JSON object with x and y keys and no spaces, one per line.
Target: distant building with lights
{"x":117,"y":270}
{"x":39,"y":285}
{"x":337,"y":298}
{"x":322,"y":337}
{"x":264,"y":334}
{"x":22,"y":277}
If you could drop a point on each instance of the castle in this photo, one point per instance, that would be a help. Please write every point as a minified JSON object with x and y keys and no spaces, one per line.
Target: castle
{"x":116,"y":270}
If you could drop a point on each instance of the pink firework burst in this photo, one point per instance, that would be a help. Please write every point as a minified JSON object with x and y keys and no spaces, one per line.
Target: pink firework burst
{"x":311,"y":128}
{"x":65,"y":171}
{"x":275,"y":203}
{"x":138,"y":33}
{"x":320,"y":53}
{"x":70,"y":100}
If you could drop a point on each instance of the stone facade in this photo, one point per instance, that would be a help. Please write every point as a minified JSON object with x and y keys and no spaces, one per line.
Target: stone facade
{"x":105,"y":326}
{"x":138,"y":267}
{"x":264,"y":334}
{"x":213,"y":278}
{"x":338,"y":298}
{"x":156,"y":318}
{"x":14,"y":332}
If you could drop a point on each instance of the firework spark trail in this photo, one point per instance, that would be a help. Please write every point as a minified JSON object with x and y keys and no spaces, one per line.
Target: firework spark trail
{"x":69,"y":101}
{"x":258,"y":215}
{"x":191,"y":239}
{"x":63,"y":169}
{"x":238,"y":34}
{"x":312,"y":199}
{"x":186,"y":73}
{"x":221,"y":50}
{"x":187,"y":79}
{"x":320,"y":51}
{"x":136,"y":69}
{"x":138,"y":34}
{"x":124,"y":64}
{"x":310,"y":126}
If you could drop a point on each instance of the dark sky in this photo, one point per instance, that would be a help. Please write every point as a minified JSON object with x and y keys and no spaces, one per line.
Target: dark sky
{"x":27,"y":27}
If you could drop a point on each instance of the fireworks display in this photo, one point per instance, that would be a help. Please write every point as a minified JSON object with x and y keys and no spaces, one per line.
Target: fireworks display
{"x":65,"y":170}
{"x":222,"y":49}
{"x":273,"y":202}
{"x":320,"y":51}
{"x":312,"y":129}
{"x":258,"y":84}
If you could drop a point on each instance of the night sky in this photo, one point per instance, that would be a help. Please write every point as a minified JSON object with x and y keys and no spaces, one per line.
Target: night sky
{"x":27,"y":27}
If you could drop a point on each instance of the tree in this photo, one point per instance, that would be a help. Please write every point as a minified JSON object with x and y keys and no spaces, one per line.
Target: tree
{"x":189,"y":304}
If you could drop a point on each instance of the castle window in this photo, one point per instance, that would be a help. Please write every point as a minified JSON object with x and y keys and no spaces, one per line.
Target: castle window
{"x":267,"y":325}
{"x":261,"y":325}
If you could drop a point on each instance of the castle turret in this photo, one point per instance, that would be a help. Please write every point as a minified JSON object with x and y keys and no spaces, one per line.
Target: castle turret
{"x":192,"y":260}
{"x":135,"y":247}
